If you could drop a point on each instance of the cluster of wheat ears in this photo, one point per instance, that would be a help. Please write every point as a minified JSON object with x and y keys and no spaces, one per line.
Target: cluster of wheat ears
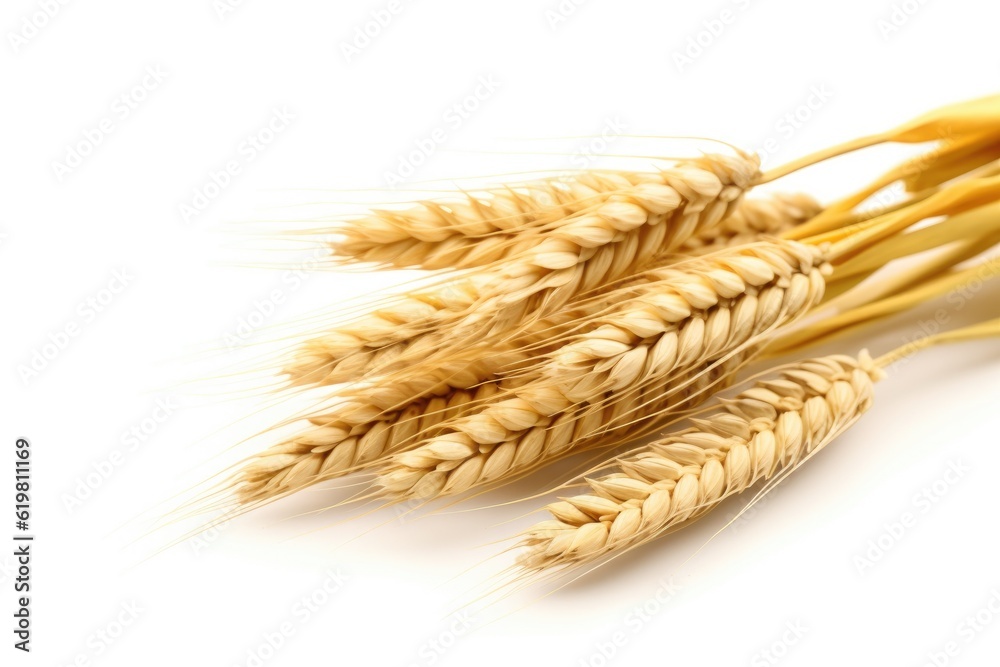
{"x":601,"y":308}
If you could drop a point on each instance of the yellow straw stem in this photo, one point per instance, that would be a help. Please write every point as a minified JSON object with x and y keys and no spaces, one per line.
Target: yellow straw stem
{"x":843,"y":322}
{"x":955,"y":199}
{"x":981,"y":331}
{"x":821,"y":155}
{"x":952,"y":122}
{"x":971,"y":225}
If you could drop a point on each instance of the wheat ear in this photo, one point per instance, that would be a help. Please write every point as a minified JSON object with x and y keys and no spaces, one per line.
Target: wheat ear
{"x":475,"y":229}
{"x":483,"y":228}
{"x":347,"y":438}
{"x":767,"y":429}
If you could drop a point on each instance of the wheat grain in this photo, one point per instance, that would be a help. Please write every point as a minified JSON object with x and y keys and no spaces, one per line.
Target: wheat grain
{"x":753,"y":219}
{"x":767,"y":429}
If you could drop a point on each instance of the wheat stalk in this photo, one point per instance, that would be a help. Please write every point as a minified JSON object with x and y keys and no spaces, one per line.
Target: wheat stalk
{"x":580,"y":254}
{"x":701,"y":312}
{"x":764,"y":431}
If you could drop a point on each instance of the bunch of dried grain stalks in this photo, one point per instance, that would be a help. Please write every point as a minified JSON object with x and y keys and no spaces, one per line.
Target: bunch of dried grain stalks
{"x":592,"y":310}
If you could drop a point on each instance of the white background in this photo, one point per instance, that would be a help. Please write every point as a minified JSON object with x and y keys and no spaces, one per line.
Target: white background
{"x":210,"y":601}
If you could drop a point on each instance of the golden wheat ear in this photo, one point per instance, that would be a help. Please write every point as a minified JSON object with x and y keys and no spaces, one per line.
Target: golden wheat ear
{"x":347,"y":439}
{"x":771,"y":426}
{"x":483,"y":228}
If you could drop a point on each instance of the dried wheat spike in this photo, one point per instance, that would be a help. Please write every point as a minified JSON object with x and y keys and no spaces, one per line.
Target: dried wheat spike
{"x":349,"y":437}
{"x":701,"y":312}
{"x":480,"y":229}
{"x":690,"y":312}
{"x":476,"y":230}
{"x":585,"y":251}
{"x":766,"y":430}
